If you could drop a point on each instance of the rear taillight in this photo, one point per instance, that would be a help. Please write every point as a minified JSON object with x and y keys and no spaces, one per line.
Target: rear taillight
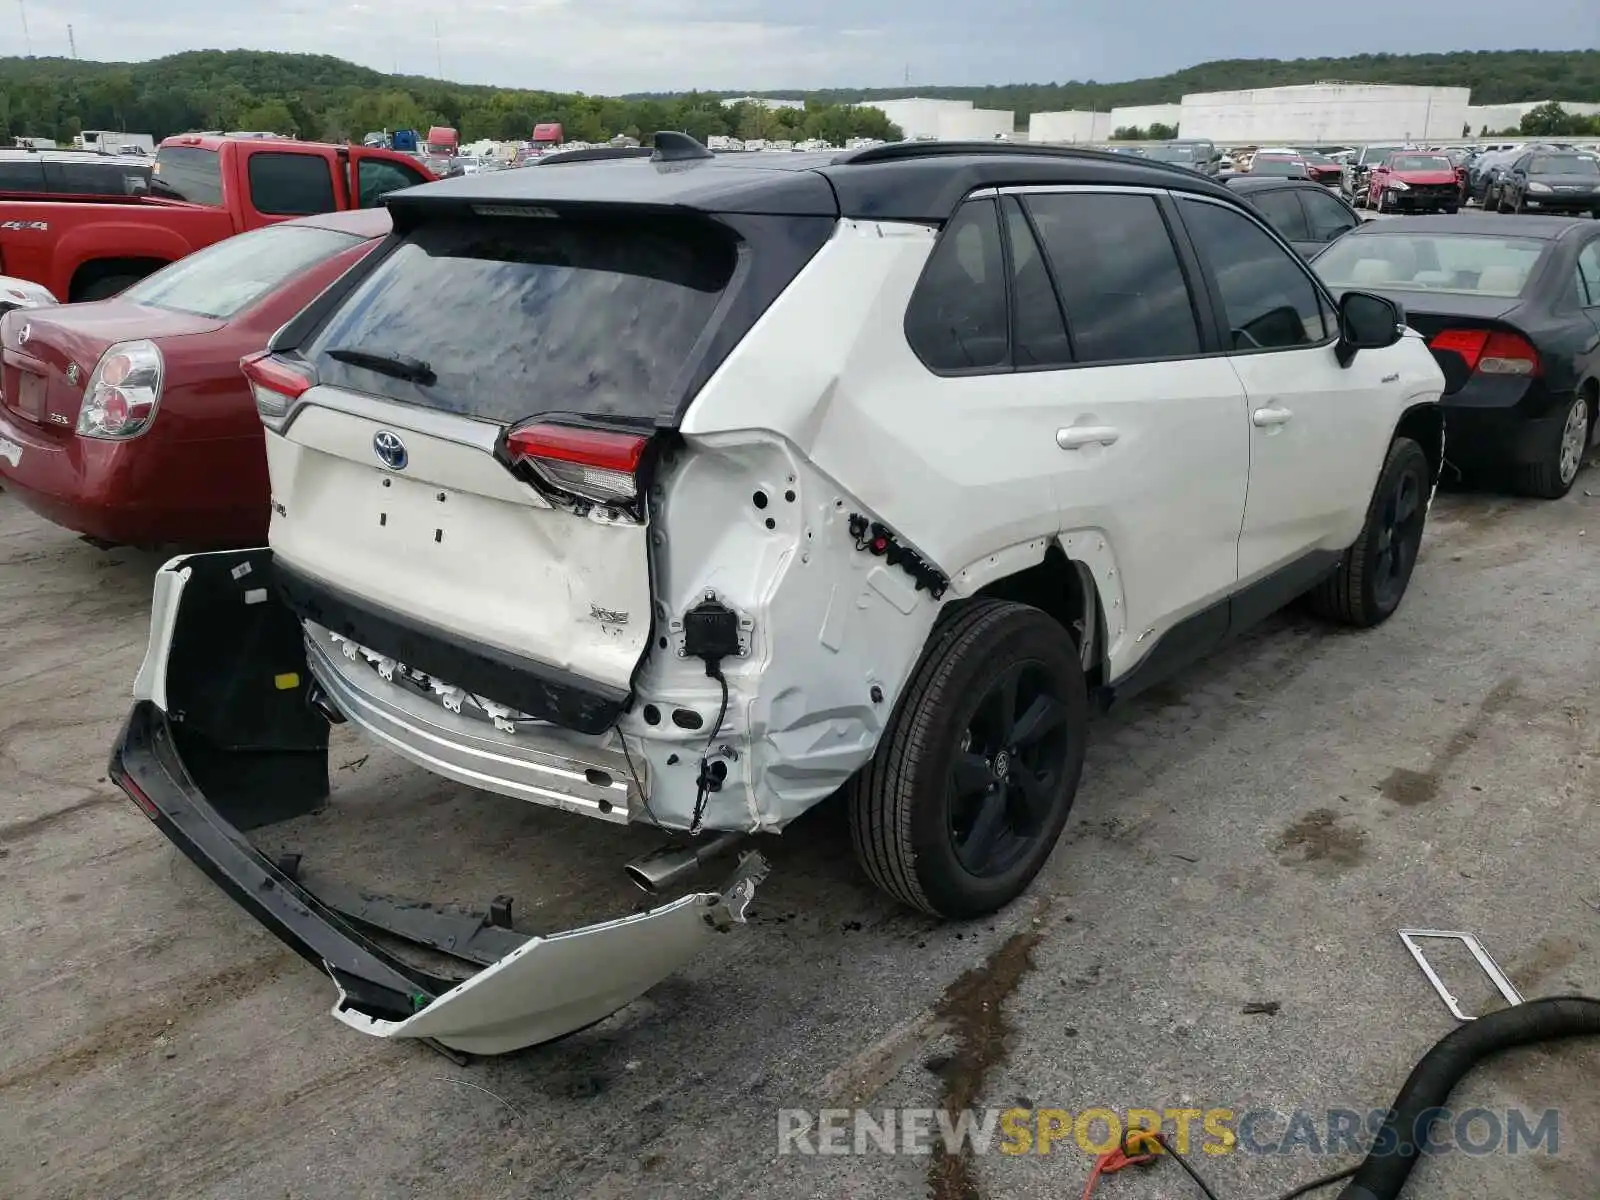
{"x":275,"y":386}
{"x":122,"y":393}
{"x":601,"y":465}
{"x":1490,"y":352}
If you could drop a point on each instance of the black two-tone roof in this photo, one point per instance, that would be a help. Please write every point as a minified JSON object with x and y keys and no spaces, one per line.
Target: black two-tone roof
{"x":908,"y":181}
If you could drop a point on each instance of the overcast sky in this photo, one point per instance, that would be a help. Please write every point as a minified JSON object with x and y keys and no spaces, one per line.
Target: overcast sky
{"x":611,"y":46}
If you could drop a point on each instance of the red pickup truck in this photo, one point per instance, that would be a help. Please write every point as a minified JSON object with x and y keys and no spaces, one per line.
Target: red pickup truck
{"x":203,"y":188}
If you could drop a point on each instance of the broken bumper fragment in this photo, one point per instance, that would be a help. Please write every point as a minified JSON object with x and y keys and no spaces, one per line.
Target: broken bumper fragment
{"x":223,"y":738}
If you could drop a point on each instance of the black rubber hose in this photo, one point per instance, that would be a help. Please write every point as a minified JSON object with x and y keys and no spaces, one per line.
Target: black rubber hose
{"x":1384,"y":1173}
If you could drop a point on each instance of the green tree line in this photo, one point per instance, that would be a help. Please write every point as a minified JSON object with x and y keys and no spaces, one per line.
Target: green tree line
{"x":326,"y":98}
{"x":1495,"y":77}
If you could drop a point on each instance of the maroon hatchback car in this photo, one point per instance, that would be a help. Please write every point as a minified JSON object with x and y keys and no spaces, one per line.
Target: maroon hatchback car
{"x":129,"y":421}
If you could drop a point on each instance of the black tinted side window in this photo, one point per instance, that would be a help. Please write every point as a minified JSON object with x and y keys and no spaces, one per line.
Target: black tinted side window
{"x":957,"y":319}
{"x":1327,"y":218}
{"x":1038,"y":330}
{"x":377,"y":177}
{"x":1120,"y":280}
{"x":21,"y":175}
{"x":1282,"y":211}
{"x":1269,"y":302}
{"x":291,"y":185}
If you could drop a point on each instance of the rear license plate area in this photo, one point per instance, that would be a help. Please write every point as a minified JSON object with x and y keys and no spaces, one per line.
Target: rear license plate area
{"x":32,"y":396}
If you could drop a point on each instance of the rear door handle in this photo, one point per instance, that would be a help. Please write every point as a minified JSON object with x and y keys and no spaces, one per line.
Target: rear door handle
{"x":1265,"y":418}
{"x":1075,"y":437}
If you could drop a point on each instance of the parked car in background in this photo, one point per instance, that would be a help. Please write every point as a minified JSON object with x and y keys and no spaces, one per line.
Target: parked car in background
{"x":1353,"y":182}
{"x":203,"y":188}
{"x":71,"y":175}
{"x":1550,"y":181}
{"x":528,"y":528}
{"x":129,"y":421}
{"x":1197,"y":154}
{"x":1281,"y":166}
{"x":1512,"y":313}
{"x":1306,"y":214}
{"x":1414,"y":181}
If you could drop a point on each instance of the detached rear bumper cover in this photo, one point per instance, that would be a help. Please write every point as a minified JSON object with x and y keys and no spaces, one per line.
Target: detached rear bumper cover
{"x":221,"y":700}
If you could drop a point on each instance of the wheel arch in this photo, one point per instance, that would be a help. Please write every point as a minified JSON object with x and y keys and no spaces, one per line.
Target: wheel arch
{"x":96,"y":269}
{"x":1068,"y":590}
{"x":1425,"y":424}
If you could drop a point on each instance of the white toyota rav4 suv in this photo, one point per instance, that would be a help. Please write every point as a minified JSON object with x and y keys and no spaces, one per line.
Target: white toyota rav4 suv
{"x":691,"y":490}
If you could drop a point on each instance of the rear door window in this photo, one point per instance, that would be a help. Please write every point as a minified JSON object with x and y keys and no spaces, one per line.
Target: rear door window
{"x":1327,"y":220}
{"x":190,"y":173}
{"x":1283,"y":212}
{"x":1121,"y":283}
{"x":91,"y":179}
{"x":957,"y":320}
{"x":377,"y":177}
{"x":291,"y":185}
{"x":1269,"y":301}
{"x":518,"y":316}
{"x":1039,"y":331}
{"x":21,"y":175}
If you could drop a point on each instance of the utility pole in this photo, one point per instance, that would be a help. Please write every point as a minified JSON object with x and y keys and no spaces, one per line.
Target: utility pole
{"x":27,"y":39}
{"x":72,"y":42}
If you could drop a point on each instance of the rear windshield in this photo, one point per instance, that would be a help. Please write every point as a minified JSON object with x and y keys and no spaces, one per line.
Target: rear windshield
{"x":1289,"y":168}
{"x":1563,"y":164}
{"x":228,"y":277}
{"x":187,"y":173}
{"x":517,"y":316}
{"x":1377,"y":153}
{"x":1420,"y":162}
{"x":1486,"y":266}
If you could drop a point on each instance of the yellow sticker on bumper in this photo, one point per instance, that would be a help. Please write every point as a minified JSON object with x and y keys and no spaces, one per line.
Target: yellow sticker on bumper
{"x":286,"y":683}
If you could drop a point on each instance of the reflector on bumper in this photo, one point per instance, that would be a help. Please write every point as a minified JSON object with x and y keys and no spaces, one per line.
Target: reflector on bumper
{"x":215,"y":743}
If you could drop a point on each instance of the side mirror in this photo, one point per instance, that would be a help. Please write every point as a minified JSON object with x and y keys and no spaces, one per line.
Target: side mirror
{"x":1367,"y":322}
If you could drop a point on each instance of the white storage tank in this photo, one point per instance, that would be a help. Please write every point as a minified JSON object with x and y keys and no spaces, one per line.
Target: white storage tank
{"x":1142,"y":116}
{"x":918,"y":117}
{"x":1325,"y":112}
{"x":1069,"y":126}
{"x":977,"y":125}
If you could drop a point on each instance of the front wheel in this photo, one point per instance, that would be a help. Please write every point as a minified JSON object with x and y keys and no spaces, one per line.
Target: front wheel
{"x":1371,"y":580}
{"x":975,"y":773}
{"x":1553,"y":475}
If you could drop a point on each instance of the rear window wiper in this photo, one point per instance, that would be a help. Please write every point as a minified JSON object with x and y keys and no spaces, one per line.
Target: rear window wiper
{"x":399,"y":366}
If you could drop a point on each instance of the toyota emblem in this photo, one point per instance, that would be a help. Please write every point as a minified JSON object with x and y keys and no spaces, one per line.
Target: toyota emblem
{"x":391,"y":451}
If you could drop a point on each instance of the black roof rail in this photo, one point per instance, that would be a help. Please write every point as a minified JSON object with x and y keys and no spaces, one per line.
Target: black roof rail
{"x":903,"y":151}
{"x":591,"y":154}
{"x":672,"y":146}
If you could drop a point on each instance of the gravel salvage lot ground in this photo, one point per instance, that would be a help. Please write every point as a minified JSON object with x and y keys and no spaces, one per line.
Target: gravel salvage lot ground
{"x":1255,"y":831}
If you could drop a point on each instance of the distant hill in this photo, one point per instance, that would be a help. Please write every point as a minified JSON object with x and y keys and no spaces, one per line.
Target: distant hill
{"x":320,"y":96}
{"x":1495,"y":77}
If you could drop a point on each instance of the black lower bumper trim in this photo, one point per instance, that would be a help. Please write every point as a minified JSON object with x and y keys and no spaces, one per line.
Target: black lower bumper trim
{"x":146,"y":765}
{"x":525,"y":684}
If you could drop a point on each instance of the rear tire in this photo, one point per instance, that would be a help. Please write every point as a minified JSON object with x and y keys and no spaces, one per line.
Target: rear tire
{"x":1371,"y":580}
{"x":1553,"y":476}
{"x":928,"y":825}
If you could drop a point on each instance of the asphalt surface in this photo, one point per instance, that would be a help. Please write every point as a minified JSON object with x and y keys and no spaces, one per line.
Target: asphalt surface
{"x":1251,"y":835}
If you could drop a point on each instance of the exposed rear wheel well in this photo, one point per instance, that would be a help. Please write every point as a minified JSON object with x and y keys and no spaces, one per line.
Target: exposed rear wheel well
{"x":1424,"y":425}
{"x":1591,"y":392}
{"x":1065,"y":590}
{"x":101,"y":269}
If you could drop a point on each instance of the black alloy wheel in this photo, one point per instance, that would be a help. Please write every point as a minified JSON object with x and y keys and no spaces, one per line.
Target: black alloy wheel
{"x":1006,"y":775}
